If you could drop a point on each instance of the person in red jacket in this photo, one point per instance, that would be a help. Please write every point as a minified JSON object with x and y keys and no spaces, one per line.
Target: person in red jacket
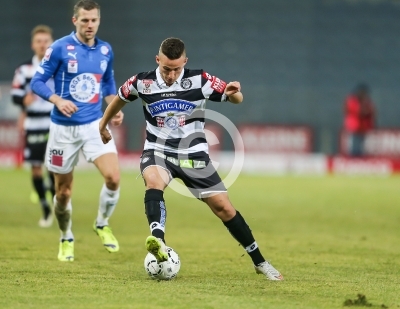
{"x":359,"y":118}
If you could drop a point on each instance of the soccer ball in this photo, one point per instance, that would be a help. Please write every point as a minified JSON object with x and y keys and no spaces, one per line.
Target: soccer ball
{"x":165,"y":270}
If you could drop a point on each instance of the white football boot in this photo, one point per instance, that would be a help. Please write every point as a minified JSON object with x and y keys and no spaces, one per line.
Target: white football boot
{"x":269,"y":271}
{"x":48,"y":222}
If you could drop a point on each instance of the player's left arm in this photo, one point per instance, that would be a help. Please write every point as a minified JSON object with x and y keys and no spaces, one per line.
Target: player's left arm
{"x":112,"y":110}
{"x":233,"y":93}
{"x":215,"y":89}
{"x":109,"y":89}
{"x":119,"y":117}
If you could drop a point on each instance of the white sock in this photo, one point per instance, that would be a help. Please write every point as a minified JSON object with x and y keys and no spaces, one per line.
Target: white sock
{"x":66,"y":232}
{"x":108,"y":202}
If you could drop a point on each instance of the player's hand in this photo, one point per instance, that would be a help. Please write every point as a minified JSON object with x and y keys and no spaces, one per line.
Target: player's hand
{"x":20,"y":123}
{"x":66,"y":107}
{"x":29,"y":98}
{"x":105,"y":134}
{"x":117,"y":119}
{"x":232,"y":88}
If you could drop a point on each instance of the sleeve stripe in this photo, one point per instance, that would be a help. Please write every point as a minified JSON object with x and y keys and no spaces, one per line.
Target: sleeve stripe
{"x":122,"y":97}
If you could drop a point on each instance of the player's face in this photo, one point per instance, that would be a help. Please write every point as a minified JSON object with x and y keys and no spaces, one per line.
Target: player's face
{"x":87,"y":23}
{"x":170,"y":69}
{"x":40,"y":42}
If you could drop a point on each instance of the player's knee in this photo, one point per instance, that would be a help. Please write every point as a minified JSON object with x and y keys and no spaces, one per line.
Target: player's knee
{"x":63,"y":195}
{"x":154,"y":181}
{"x":37,"y":171}
{"x":112,"y":180}
{"x":222,"y":208}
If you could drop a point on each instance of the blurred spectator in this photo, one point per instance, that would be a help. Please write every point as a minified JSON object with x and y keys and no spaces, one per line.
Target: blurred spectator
{"x":34,"y":119}
{"x":359,"y":118}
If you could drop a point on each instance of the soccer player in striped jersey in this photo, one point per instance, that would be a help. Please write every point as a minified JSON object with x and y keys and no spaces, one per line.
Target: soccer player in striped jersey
{"x":173,"y":100}
{"x":82,"y":67}
{"x":35,"y":115}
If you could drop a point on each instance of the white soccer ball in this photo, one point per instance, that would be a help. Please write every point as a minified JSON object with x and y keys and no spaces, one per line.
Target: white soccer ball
{"x":165,"y":270}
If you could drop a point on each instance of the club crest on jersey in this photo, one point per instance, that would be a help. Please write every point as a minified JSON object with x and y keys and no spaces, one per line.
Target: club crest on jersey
{"x":186,"y":83}
{"x":103,"y":65}
{"x":163,"y":107}
{"x":72,"y":66}
{"x":171,"y":122}
{"x":104,"y":50}
{"x":147,"y":86}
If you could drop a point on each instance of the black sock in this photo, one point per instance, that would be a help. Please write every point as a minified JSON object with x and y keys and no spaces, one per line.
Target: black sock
{"x":242,"y":233}
{"x":45,"y":208}
{"x":156,"y":212}
{"x":39,"y":188}
{"x":51,"y":184}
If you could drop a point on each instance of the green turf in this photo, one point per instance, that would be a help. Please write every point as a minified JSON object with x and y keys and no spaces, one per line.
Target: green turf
{"x":331,"y":237}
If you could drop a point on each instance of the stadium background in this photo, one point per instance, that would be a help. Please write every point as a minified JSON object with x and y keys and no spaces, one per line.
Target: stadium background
{"x":296,"y":60}
{"x":334,"y":238}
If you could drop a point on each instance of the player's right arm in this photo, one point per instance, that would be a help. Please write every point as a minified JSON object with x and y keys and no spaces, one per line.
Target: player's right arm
{"x":19,"y":91}
{"x":48,"y":68}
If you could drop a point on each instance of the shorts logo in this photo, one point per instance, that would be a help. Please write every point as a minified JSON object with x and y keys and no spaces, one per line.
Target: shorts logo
{"x":36,"y":138}
{"x":103,"y":65}
{"x":145,"y":159}
{"x":27,"y":153}
{"x":186,"y":83}
{"x":56,"y":157}
{"x":171,"y":105}
{"x":104,"y":50}
{"x":85,"y":88}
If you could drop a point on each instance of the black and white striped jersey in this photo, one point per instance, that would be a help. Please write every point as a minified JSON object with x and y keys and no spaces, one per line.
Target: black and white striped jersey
{"x":38,"y":113}
{"x":175,"y":114}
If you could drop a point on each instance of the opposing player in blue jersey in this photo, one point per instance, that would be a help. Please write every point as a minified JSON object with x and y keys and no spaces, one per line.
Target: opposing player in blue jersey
{"x":82,"y":68}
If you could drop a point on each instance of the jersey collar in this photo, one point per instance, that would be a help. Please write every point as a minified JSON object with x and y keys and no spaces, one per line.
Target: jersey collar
{"x":161,"y":82}
{"x":73,"y":35}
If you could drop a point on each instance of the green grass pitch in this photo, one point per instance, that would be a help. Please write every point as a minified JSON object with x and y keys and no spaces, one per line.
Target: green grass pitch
{"x":331,"y":237}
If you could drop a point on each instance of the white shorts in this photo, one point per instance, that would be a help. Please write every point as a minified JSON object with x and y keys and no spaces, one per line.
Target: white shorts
{"x":62,"y":153}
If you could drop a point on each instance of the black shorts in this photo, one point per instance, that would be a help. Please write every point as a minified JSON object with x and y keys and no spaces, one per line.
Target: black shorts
{"x":199,"y":175}
{"x":35,"y":146}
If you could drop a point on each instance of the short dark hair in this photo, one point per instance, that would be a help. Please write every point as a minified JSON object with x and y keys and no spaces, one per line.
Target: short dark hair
{"x":87,"y":5}
{"x":41,"y":29}
{"x":173,"y":48}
